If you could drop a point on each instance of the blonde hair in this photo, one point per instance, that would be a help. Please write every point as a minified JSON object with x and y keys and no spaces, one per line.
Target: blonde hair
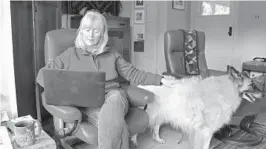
{"x":101,"y":45}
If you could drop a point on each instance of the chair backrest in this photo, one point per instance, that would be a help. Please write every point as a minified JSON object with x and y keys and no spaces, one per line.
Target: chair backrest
{"x":174,"y":52}
{"x":57,"y":41}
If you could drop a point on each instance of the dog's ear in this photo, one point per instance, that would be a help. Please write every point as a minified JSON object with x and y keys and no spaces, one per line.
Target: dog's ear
{"x":233,"y":72}
{"x":227,"y":68}
{"x":245,"y":73}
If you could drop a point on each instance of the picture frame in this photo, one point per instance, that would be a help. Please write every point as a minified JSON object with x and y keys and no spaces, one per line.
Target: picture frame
{"x":139,"y":16}
{"x":178,"y":4}
{"x":139,"y":36}
{"x":139,"y":3}
{"x":139,"y":32}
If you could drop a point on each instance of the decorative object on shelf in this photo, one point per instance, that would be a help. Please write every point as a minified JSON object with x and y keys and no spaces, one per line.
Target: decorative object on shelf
{"x":139,"y":4}
{"x":108,"y":7}
{"x":178,"y":4}
{"x":139,"y":16}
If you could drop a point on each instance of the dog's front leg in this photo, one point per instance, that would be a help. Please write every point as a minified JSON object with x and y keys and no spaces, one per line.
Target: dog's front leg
{"x":200,"y":139}
{"x":207,"y":139}
{"x":156,"y":134}
{"x":134,"y":140}
{"x":182,"y":137}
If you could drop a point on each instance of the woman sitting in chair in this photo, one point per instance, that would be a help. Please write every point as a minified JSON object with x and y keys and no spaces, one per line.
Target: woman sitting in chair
{"x":91,"y":53}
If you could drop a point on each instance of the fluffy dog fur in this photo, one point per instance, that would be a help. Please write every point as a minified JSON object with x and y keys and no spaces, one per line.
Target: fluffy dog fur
{"x":198,"y":106}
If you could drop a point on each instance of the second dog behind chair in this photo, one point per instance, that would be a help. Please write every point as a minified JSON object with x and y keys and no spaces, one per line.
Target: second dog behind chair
{"x":199,"y":107}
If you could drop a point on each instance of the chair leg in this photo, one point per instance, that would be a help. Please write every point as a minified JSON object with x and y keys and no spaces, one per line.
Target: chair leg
{"x":59,"y":126}
{"x":64,"y":144}
{"x":225,"y":133}
{"x":58,"y":123}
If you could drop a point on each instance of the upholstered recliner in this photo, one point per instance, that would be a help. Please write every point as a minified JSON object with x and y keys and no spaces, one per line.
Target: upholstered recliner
{"x":174,"y":46}
{"x":174,"y":54}
{"x":56,"y":42}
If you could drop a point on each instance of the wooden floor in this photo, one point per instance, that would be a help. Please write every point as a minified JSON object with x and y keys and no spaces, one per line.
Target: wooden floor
{"x":168,"y":134}
{"x":146,"y":142}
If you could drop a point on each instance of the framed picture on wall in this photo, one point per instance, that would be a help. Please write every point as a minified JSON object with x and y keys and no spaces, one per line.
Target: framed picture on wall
{"x":139,"y":16}
{"x":140,"y":36}
{"x":139,"y":32}
{"x":139,"y":3}
{"x":178,"y":4}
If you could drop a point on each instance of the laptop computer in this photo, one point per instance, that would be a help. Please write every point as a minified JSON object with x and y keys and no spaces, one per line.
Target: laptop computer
{"x":64,"y":87}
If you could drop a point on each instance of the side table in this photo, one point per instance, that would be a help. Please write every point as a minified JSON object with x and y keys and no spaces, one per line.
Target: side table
{"x":252,"y":112}
{"x":255,"y":66}
{"x":256,"y":69}
{"x":44,"y":142}
{"x":5,"y":142}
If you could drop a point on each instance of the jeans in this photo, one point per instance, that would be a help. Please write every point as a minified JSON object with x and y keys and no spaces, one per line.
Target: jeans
{"x":112,"y":128}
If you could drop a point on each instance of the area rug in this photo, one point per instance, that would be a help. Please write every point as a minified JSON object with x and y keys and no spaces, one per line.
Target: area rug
{"x":240,"y":134}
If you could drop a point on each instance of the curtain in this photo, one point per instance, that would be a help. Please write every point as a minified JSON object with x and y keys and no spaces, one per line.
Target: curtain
{"x":7,"y":89}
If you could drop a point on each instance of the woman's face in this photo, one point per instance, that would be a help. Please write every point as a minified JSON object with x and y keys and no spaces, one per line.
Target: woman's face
{"x":92,"y":31}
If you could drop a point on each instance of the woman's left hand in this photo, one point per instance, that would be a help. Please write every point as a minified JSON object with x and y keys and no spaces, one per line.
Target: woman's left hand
{"x":169,"y":81}
{"x":169,"y":77}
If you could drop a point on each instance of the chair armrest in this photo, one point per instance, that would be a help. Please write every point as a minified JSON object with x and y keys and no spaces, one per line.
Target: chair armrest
{"x":216,"y":72}
{"x":67,"y":113}
{"x":138,"y":97}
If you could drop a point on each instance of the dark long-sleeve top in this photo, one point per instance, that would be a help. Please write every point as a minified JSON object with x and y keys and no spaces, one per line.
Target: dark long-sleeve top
{"x":110,"y":62}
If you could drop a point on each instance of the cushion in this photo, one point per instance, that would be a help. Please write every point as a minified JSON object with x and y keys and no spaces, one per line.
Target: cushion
{"x":191,"y":52}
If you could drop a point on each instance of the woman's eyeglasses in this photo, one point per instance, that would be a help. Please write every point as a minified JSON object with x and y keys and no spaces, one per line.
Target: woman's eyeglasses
{"x":93,"y":31}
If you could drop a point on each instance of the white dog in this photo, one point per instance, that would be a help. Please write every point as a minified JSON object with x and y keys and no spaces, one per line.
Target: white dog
{"x":199,"y":106}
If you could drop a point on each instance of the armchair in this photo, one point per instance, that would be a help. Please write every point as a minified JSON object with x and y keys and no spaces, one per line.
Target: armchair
{"x":85,"y":133}
{"x":174,"y":49}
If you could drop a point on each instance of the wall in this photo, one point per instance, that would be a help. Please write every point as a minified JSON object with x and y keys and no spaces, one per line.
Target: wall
{"x":147,"y":60}
{"x":160,"y":17}
{"x":144,"y":60}
{"x":178,"y":18}
{"x":251,"y":33}
{"x":125,"y":10}
{"x":8,"y":91}
{"x":162,"y":28}
{"x":175,"y":19}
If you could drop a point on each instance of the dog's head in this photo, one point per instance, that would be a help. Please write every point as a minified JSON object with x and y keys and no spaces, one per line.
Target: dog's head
{"x":246,"y":87}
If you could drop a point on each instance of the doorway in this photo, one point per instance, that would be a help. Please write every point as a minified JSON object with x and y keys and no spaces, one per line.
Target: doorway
{"x":217,"y":19}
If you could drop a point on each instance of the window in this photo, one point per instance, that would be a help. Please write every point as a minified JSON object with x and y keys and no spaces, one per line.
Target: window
{"x":209,"y":8}
{"x":7,"y":82}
